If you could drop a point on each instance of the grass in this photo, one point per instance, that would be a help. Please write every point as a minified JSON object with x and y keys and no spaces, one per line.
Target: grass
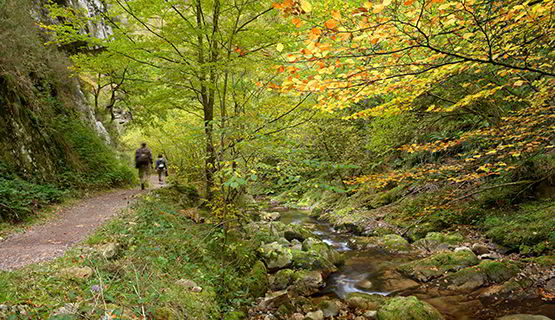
{"x":159,"y":245}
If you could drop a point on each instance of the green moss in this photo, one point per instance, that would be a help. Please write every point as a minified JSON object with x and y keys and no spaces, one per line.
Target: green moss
{"x":449,"y":238}
{"x":407,"y":308}
{"x":438,"y":264}
{"x":257,"y":280}
{"x":499,"y":271}
{"x":530,"y":229}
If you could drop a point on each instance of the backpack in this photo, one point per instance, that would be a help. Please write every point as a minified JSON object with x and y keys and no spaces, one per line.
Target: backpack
{"x":161,"y":165}
{"x":142,"y":158}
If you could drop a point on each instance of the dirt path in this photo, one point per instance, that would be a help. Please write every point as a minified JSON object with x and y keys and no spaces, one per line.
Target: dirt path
{"x":50,"y":240}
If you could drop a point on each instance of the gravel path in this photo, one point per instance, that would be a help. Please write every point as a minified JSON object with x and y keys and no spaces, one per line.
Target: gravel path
{"x":50,"y":240}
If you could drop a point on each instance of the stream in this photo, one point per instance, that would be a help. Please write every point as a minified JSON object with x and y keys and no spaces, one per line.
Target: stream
{"x":373,"y":272}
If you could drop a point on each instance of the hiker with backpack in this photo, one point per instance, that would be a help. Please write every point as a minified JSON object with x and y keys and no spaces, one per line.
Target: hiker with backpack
{"x":143,"y":162}
{"x":161,"y":168}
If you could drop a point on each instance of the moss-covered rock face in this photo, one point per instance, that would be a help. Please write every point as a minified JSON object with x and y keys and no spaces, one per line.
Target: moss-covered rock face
{"x":438,"y":264}
{"x":390,"y":242}
{"x":407,"y":308}
{"x":258,"y":279}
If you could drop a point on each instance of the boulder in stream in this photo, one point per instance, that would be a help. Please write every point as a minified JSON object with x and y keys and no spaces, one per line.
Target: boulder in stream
{"x":407,"y":308}
{"x":310,"y":260}
{"x":306,"y":283}
{"x":438,"y":265}
{"x":487,"y":272}
{"x":275,"y":255}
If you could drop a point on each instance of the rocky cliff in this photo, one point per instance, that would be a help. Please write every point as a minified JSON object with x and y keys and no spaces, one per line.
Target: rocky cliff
{"x":40,"y":100}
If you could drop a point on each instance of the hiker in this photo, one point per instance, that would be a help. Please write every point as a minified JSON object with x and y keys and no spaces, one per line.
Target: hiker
{"x":161,"y":168}
{"x":143,"y":162}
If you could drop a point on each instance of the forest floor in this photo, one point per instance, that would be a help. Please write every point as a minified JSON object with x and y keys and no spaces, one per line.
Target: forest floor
{"x":72,"y":225}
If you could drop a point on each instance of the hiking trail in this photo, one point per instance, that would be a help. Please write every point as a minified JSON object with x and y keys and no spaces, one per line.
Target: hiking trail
{"x":53,"y":238}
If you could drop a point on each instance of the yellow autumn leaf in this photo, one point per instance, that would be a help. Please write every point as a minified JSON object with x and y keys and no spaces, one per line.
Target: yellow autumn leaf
{"x":279,"y":47}
{"x":306,"y":6}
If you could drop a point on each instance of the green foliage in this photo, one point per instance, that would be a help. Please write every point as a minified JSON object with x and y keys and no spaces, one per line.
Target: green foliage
{"x":19,"y":198}
{"x":98,"y":165}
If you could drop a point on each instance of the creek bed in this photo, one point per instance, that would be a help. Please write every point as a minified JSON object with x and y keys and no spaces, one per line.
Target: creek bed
{"x":373,"y":271}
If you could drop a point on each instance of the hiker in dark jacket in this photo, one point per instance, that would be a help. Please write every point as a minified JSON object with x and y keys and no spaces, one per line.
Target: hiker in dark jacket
{"x":143,"y":162}
{"x":161,"y":168}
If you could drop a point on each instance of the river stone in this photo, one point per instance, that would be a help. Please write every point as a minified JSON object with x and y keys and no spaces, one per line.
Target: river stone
{"x":407,"y":308}
{"x":438,"y":264}
{"x":307,"y":282}
{"x":311,"y":260}
{"x":297,"y":316}
{"x":524,"y":317}
{"x":275,"y":255}
{"x":282,"y":279}
{"x":324,"y":250}
{"x":329,"y":307}
{"x":296,"y":245}
{"x":315,"y":315}
{"x":274,"y":299}
{"x":364,"y":284}
{"x":294,"y":235}
{"x":487,"y":272}
{"x":364,"y":301}
{"x":269,"y":216}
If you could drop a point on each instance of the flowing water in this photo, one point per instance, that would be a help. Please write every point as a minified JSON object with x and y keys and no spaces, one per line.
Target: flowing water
{"x":373,"y":271}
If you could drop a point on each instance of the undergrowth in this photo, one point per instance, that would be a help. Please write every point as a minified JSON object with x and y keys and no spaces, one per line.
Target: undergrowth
{"x":158,"y":246}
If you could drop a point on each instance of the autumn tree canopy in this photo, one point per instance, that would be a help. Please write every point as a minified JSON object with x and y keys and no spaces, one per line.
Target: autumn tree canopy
{"x":492,"y":59}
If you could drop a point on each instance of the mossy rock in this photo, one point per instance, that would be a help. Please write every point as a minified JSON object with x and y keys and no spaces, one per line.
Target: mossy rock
{"x":323,"y":249}
{"x":407,"y":308}
{"x":487,"y":272}
{"x":257,"y":282}
{"x":307,"y":282}
{"x":364,"y":301}
{"x":438,"y":264}
{"x":275,"y":255}
{"x":282,"y":279}
{"x":438,"y":241}
{"x":312,"y":260}
{"x":390,"y":242}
